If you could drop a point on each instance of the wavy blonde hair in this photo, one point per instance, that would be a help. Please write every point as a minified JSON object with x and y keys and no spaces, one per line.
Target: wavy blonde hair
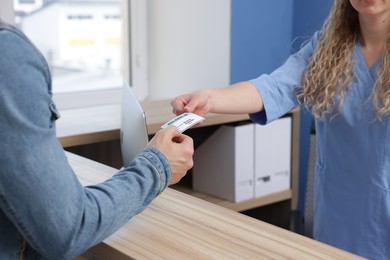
{"x":330,"y":70}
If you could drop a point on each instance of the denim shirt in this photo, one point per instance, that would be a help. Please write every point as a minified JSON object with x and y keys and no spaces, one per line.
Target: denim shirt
{"x":43,"y":206}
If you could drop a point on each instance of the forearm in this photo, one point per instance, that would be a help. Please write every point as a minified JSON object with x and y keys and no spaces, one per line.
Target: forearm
{"x":59,"y":217}
{"x":109,"y":205}
{"x":239,"y":98}
{"x":39,"y":193}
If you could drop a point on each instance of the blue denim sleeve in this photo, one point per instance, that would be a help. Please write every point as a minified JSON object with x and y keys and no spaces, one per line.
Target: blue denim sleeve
{"x":39,"y":193}
{"x":278,"y":90}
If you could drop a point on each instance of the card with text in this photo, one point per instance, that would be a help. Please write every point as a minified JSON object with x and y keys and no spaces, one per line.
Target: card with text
{"x":184,"y":121}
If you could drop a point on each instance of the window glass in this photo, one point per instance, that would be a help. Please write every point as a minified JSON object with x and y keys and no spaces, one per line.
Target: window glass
{"x":81,"y":40}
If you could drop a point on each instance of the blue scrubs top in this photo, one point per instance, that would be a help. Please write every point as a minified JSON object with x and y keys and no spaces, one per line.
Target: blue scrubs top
{"x":352,"y":174}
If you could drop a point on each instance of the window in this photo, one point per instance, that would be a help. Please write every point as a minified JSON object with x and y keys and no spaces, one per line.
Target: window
{"x":83,"y":43}
{"x":161,"y":47}
{"x":26,"y":1}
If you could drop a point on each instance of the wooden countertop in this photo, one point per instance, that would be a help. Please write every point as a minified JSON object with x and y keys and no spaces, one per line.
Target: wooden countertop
{"x":179,"y":226}
{"x":101,"y":123}
{"x":90,"y":125}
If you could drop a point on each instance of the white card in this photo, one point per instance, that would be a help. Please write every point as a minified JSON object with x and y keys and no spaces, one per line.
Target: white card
{"x":184,"y":121}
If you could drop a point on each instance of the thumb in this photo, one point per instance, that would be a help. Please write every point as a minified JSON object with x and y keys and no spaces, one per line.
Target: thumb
{"x":172,"y":132}
{"x":192,"y":105}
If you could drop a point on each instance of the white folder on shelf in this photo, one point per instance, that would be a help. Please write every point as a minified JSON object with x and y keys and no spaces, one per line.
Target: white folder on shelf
{"x":224,"y":164}
{"x":273,"y":157}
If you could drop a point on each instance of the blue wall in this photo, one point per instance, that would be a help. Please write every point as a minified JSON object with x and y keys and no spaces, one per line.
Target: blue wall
{"x":263,"y":35}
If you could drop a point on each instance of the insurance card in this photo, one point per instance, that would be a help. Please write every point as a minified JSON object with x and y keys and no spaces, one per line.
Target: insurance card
{"x":184,"y":121}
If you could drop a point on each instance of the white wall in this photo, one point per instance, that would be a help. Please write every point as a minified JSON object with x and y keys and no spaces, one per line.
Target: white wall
{"x":189,"y":46}
{"x":135,"y":27}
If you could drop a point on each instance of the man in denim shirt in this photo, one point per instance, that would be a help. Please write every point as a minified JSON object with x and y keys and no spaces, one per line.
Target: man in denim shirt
{"x":45,"y":213}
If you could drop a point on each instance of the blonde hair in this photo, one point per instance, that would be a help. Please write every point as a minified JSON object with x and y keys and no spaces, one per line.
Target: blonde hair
{"x":330,"y":70}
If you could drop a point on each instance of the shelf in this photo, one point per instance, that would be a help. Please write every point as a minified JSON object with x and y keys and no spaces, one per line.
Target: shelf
{"x":99,"y":124}
{"x":240,"y":206}
{"x":89,"y":125}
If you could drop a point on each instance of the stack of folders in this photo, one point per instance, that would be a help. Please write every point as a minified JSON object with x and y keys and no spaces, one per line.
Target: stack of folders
{"x":241,"y":162}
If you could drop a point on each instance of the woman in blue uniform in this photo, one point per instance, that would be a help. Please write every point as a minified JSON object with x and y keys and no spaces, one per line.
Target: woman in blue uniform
{"x":343,"y":76}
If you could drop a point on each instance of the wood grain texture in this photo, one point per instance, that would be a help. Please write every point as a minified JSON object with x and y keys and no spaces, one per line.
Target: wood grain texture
{"x":100,"y":124}
{"x":180,"y":226}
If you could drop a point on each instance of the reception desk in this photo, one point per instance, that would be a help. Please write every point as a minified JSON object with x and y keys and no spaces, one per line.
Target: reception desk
{"x":180,"y":226}
{"x":91,"y":125}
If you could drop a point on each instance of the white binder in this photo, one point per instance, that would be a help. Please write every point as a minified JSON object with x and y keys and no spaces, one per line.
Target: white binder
{"x":224,"y":164}
{"x":273,"y":157}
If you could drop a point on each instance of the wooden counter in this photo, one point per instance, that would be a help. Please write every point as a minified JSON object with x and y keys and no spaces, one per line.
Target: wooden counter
{"x":179,"y":226}
{"x":99,"y":124}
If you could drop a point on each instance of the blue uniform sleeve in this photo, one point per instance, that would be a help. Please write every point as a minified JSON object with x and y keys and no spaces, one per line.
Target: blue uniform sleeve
{"x":39,"y":192}
{"x":278,"y":89}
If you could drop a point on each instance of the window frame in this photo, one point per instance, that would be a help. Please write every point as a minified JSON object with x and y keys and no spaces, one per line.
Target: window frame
{"x":7,"y":12}
{"x":134,"y":70}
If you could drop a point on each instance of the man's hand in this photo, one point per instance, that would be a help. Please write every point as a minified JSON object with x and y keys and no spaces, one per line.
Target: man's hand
{"x":177,"y":148}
